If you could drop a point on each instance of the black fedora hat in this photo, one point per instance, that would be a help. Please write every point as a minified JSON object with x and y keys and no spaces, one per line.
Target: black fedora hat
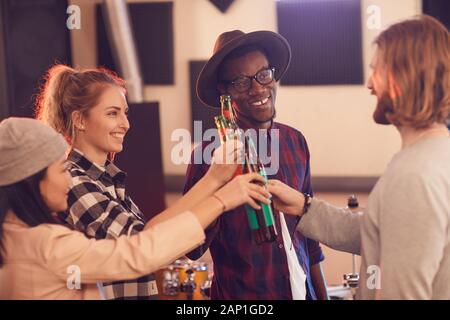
{"x":275,"y":46}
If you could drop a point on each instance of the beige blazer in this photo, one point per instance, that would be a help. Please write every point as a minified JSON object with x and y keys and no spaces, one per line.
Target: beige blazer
{"x":43,"y":262}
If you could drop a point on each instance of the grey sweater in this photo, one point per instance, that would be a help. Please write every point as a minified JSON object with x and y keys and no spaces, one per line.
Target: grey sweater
{"x":403,"y":236}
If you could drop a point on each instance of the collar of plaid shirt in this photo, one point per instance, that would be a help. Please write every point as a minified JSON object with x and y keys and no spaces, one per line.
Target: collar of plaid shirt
{"x":95,"y":171}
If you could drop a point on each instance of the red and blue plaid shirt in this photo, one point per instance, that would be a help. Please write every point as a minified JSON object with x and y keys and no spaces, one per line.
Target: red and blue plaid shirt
{"x":243,"y":269}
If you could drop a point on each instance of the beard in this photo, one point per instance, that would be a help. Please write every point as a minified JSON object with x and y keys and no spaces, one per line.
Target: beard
{"x":385,"y":105}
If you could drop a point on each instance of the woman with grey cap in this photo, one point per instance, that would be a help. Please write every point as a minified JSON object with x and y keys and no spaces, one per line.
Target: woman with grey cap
{"x":42,"y":259}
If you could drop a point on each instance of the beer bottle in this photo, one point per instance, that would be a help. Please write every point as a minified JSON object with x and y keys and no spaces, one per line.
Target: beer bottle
{"x":226,"y":133}
{"x":228,"y":113}
{"x":264,"y":215}
{"x":261,"y":221}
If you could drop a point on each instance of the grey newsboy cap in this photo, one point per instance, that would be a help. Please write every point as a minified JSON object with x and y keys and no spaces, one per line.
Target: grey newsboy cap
{"x":27,"y":146}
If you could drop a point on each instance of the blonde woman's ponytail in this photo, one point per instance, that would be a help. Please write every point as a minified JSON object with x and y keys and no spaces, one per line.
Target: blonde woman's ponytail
{"x":51,"y":107}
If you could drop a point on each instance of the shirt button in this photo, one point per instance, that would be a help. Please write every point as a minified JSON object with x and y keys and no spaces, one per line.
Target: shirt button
{"x":280,"y":246}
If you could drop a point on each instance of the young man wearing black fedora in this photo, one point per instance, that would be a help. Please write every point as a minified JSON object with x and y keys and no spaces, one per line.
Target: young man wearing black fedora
{"x":247,"y":66}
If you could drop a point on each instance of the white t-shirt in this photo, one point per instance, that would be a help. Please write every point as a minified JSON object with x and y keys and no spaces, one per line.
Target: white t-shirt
{"x":296,"y":273}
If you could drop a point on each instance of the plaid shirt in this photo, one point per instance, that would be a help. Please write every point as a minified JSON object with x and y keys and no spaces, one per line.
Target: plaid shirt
{"x":100,"y":207}
{"x":242,"y":269}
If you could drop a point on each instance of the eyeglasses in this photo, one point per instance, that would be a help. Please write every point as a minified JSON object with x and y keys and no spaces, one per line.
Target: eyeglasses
{"x":263,"y":77}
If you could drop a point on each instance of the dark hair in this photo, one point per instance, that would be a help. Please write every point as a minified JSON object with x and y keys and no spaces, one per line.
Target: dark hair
{"x":25,"y":200}
{"x":238,"y":53}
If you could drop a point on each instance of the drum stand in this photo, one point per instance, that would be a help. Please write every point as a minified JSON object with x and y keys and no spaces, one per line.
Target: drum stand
{"x":171,"y":282}
{"x":189,"y":285}
{"x":352,"y":279}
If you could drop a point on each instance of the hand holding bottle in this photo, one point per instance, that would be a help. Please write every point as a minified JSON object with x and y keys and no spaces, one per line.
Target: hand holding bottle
{"x":243,"y":190}
{"x":226,"y":160}
{"x":285,"y":198}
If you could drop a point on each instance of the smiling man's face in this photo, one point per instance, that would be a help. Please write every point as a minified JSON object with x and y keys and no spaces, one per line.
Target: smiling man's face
{"x":254,"y":107}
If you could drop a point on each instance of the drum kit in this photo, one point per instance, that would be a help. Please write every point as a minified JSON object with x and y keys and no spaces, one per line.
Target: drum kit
{"x":346,"y":291}
{"x":184,"y":280}
{"x":191,"y":280}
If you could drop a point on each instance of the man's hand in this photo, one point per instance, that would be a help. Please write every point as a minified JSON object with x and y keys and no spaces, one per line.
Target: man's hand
{"x":285,"y":198}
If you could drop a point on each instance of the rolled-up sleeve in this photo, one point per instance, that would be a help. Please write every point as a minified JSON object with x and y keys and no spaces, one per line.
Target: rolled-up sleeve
{"x":315,"y":252}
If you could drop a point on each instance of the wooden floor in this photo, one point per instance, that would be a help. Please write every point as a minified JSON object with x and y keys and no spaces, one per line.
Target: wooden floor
{"x":336,"y":263}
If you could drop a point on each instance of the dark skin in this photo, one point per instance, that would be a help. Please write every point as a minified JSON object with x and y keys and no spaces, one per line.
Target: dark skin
{"x":250,"y":110}
{"x":255,"y":108}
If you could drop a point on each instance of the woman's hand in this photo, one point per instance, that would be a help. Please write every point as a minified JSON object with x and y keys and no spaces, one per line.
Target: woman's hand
{"x":285,"y":198}
{"x":243,"y":189}
{"x":226,"y":160}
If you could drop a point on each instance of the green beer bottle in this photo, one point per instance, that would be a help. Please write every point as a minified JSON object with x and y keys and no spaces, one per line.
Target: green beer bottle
{"x":264,"y":215}
{"x":261,"y":221}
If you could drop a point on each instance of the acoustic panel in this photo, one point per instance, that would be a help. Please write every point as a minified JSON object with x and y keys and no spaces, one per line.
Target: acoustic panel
{"x":205,"y":115}
{"x":33,"y":37}
{"x":141,"y":159}
{"x":326,"y":41}
{"x":440,"y":9}
{"x":222,"y":5}
{"x":152,"y":27}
